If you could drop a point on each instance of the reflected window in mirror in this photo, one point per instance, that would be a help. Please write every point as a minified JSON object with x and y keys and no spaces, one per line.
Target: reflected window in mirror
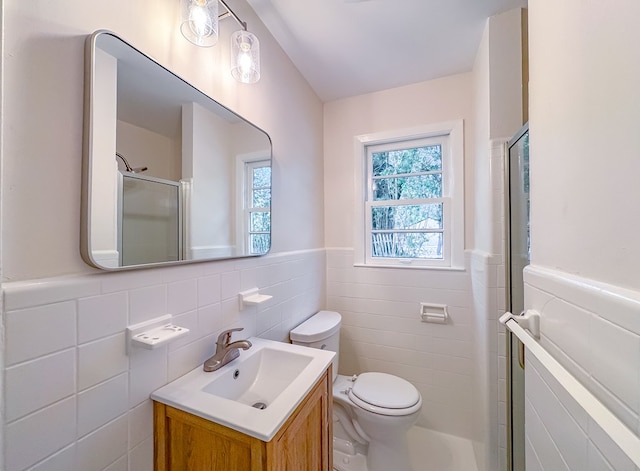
{"x":253,"y":183}
{"x":258,"y":205}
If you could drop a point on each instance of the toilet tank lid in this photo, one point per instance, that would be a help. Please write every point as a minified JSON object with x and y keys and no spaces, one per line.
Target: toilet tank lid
{"x":318,"y":327}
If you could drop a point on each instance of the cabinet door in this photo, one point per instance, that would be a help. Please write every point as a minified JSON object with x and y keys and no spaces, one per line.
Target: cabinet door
{"x":306,"y":441}
{"x":184,"y":442}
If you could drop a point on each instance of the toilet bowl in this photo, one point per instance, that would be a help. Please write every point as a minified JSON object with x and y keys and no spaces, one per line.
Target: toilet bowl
{"x":372,"y":411}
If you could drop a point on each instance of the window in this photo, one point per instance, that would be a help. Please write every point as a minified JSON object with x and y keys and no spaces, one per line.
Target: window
{"x":258,"y":206}
{"x":253,"y":200}
{"x":411,"y":198}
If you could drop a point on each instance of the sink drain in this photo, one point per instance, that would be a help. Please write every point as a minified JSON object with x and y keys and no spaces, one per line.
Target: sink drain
{"x":259,"y":405}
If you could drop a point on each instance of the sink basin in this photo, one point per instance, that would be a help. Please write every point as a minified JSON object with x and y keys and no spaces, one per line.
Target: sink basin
{"x":256,"y":392}
{"x":260,"y":378}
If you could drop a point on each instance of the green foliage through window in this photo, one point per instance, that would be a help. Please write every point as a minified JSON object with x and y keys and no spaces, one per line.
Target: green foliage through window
{"x":406,"y":190}
{"x":259,"y":206}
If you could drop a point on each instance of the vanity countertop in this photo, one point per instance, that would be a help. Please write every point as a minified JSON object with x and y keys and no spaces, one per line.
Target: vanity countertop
{"x":270,"y":374}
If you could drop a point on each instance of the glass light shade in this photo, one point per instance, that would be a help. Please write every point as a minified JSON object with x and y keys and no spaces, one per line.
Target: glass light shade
{"x":245,"y":57}
{"x":200,"y":21}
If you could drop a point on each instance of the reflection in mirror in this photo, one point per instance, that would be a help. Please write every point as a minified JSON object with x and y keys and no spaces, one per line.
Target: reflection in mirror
{"x":170,"y":175}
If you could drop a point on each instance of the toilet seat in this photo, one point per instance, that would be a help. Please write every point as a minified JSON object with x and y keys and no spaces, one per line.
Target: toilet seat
{"x":385,"y":394}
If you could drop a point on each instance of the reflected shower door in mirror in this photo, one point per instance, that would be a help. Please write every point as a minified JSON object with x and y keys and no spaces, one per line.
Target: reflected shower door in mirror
{"x":149,"y":220}
{"x":169,"y":175}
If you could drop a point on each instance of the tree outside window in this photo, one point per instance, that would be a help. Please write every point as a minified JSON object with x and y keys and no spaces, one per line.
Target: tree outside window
{"x":258,"y":206}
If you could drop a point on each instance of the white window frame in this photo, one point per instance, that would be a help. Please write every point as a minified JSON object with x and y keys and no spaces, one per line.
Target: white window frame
{"x":244,"y":182}
{"x":452,"y":197}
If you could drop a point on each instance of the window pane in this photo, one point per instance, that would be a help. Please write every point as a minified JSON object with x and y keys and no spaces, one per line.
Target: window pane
{"x":402,"y":188}
{"x":260,"y":243}
{"x":419,"y":159}
{"x":427,"y":245}
{"x":260,"y":221}
{"x":421,"y":216}
{"x":262,"y":177}
{"x":261,"y":198}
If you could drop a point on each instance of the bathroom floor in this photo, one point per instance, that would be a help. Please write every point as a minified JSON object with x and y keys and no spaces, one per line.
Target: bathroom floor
{"x":434,"y":451}
{"x":429,"y":450}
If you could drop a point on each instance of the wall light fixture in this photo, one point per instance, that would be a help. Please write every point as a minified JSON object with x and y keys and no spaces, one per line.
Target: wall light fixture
{"x":200,"y":22}
{"x":200,"y":26}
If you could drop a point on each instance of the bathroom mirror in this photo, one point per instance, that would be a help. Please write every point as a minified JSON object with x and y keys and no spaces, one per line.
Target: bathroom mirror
{"x":169,"y":175}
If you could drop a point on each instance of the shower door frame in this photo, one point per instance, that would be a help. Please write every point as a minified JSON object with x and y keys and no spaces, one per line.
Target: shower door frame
{"x":120,"y":211}
{"x":510,"y":338}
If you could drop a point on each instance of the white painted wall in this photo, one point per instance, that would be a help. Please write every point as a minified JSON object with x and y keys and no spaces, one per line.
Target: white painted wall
{"x":584,"y":113}
{"x":209,"y":162}
{"x":104,"y":191}
{"x":497,"y":76}
{"x":585,"y":109}
{"x":506,"y":87}
{"x":482,"y":109}
{"x":424,"y":103}
{"x":43,"y":68}
{"x":72,"y":399}
{"x":144,"y":148}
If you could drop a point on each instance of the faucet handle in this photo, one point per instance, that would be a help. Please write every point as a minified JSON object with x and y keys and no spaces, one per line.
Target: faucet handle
{"x":225,"y":337}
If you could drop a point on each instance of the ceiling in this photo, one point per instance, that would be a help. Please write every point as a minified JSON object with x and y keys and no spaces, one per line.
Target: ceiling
{"x":350,"y":47}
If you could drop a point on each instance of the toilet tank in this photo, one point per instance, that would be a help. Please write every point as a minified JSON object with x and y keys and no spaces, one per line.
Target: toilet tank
{"x":322,"y":330}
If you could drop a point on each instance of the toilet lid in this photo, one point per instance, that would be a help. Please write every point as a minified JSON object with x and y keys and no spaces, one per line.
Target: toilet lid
{"x":386,"y":391}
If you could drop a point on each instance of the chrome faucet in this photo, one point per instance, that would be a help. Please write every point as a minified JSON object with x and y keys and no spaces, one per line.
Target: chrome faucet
{"x":225,"y":351}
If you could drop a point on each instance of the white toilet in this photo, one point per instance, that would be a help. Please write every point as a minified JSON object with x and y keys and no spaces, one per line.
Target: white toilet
{"x":371,"y":411}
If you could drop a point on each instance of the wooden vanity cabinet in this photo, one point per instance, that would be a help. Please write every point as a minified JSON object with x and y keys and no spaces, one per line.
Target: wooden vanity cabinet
{"x":185,"y":442}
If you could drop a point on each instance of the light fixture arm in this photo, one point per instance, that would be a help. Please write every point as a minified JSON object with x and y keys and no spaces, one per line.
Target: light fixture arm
{"x":230,"y":13}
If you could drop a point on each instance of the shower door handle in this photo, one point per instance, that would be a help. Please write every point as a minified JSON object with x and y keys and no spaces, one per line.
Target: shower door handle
{"x":520,"y":352}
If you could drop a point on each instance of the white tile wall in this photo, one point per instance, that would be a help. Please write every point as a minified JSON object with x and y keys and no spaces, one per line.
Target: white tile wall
{"x":145,"y":303}
{"x":141,"y":457}
{"x":102,"y":403}
{"x":75,"y":401}
{"x":488,"y":290}
{"x":101,"y":315}
{"x":96,"y":451}
{"x":140,"y":423}
{"x":39,"y":330}
{"x":37,"y":383}
{"x":382,"y":331}
{"x":592,"y":329}
{"x":560,"y":434}
{"x":101,"y":359}
{"x":64,"y":460}
{"x":40,"y":434}
{"x":490,"y":361}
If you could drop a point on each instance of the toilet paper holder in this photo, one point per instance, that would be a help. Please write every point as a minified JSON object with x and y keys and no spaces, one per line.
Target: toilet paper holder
{"x":435,"y":313}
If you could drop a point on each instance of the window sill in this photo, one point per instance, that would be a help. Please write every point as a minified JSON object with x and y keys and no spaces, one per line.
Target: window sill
{"x":410,"y":267}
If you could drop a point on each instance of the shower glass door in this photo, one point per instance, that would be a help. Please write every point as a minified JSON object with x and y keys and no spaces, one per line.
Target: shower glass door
{"x":517,"y":177}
